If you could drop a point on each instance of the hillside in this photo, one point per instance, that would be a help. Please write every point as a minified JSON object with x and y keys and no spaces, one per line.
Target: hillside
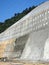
{"x":17,"y":16}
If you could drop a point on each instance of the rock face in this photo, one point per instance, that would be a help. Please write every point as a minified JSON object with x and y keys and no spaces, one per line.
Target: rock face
{"x":28,"y":39}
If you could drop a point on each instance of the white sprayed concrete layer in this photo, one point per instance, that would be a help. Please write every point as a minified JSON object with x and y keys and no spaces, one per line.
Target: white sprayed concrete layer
{"x":37,"y":47}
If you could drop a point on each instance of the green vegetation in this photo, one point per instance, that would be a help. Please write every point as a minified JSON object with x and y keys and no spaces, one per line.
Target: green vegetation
{"x":17,"y":16}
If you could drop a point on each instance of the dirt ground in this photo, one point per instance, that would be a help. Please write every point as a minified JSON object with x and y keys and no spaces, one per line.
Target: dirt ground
{"x":19,"y":63}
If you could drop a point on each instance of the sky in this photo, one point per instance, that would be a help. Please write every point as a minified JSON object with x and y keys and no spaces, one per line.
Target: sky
{"x":9,"y":7}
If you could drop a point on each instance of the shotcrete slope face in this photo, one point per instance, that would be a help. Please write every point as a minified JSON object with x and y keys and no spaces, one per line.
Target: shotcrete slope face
{"x":28,"y":39}
{"x":37,"y":47}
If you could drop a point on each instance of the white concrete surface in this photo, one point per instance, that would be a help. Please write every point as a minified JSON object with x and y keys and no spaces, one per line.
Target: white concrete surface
{"x":36,"y":47}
